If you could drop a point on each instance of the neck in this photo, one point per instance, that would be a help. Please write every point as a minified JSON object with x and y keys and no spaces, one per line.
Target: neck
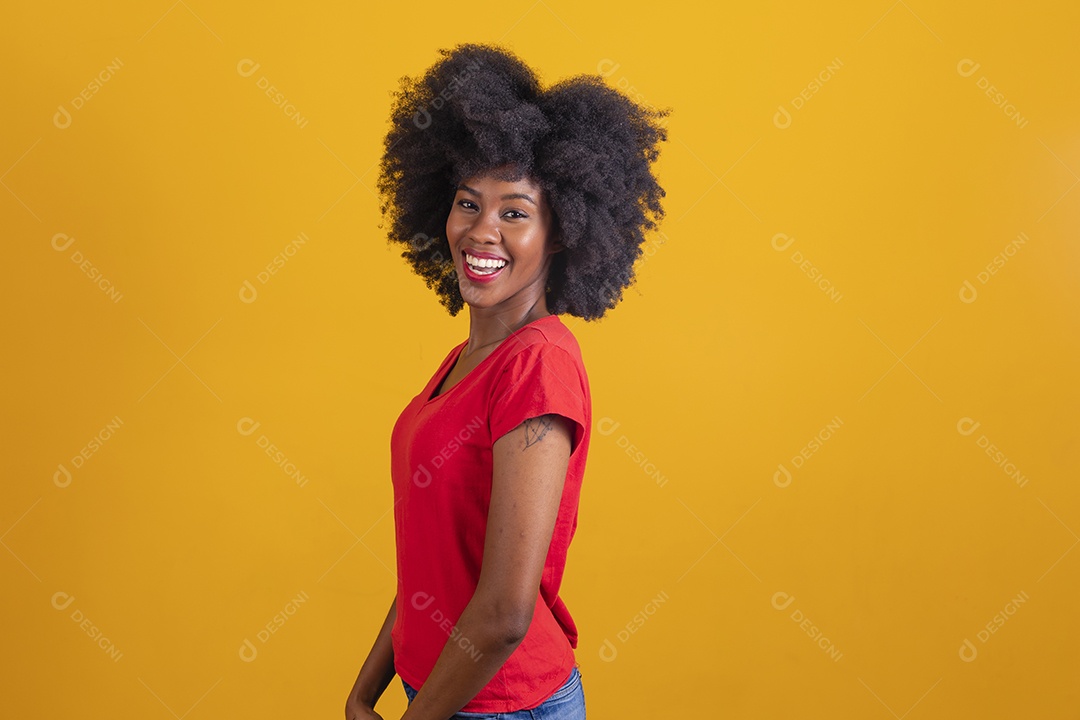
{"x":491,"y":325}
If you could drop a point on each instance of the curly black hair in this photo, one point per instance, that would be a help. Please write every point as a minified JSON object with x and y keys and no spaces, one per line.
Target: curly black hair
{"x":588,"y":146}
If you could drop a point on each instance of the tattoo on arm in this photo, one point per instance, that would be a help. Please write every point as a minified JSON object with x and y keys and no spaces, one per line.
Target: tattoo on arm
{"x":535,"y":429}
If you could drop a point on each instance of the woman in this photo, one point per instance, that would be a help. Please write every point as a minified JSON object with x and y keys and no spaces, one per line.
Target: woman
{"x":523,"y":204}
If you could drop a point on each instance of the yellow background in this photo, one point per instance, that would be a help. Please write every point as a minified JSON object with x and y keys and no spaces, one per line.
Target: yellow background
{"x":898,"y":179}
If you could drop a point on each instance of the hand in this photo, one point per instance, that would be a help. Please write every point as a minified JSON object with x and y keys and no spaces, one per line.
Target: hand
{"x":356,"y":710}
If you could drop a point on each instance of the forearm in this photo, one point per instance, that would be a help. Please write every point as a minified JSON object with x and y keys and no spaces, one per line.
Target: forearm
{"x":474,"y":652}
{"x":378,"y":669}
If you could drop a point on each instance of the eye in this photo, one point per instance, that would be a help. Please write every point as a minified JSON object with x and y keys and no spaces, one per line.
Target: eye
{"x":515,"y":214}
{"x":467,"y":204}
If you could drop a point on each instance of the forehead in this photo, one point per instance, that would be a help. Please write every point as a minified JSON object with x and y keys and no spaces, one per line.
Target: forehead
{"x":487,"y":187}
{"x":507,"y":174}
{"x":499,"y":182}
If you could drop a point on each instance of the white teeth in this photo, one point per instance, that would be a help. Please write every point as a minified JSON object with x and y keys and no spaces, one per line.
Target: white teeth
{"x":484,"y":262}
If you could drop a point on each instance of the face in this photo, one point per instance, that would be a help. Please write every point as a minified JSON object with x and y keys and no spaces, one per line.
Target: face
{"x":499,"y":232}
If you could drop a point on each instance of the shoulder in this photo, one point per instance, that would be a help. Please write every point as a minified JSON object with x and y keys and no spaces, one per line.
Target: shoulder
{"x":541,"y":372}
{"x":547,"y":337}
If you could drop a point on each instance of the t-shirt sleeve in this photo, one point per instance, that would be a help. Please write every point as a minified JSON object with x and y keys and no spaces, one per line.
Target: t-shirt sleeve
{"x":541,"y":379}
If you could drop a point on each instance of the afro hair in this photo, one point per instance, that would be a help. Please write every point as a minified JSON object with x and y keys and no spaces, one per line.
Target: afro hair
{"x":585,"y":144}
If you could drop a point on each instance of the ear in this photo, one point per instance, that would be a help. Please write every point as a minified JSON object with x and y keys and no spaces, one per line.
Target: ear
{"x":556,"y":244}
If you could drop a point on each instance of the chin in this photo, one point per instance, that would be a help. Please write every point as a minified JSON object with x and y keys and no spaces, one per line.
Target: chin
{"x":477,"y":301}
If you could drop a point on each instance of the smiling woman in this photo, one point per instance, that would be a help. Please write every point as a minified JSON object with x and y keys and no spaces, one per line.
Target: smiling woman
{"x":528,"y":203}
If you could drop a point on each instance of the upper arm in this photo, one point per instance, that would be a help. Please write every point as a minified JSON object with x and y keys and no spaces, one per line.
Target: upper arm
{"x":530,"y":464}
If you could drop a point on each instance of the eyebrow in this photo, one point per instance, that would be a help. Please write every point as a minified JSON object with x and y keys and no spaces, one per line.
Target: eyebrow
{"x":509,"y":196}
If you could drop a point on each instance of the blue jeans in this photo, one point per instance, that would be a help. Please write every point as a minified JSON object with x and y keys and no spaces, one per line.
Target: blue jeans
{"x":566,"y":703}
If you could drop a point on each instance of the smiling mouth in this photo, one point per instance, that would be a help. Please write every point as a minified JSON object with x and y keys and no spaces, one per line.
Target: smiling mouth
{"x":482,"y":267}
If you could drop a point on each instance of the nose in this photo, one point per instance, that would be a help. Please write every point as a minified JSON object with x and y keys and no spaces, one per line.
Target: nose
{"x":485,"y":228}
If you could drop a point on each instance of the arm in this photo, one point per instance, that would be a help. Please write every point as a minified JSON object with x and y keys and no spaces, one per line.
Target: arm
{"x":530,"y":464}
{"x":375,"y":674}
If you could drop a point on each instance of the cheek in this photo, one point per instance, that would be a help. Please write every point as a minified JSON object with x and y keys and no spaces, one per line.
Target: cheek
{"x":531,"y":249}
{"x":454,"y":225}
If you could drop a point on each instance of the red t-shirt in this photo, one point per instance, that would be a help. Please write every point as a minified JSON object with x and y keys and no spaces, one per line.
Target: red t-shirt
{"x":441,"y":465}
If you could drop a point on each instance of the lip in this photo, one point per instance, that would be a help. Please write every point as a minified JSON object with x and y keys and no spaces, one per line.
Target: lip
{"x":473,"y":277}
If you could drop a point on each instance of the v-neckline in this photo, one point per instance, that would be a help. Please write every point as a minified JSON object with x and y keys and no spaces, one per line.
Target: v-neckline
{"x":456,"y":353}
